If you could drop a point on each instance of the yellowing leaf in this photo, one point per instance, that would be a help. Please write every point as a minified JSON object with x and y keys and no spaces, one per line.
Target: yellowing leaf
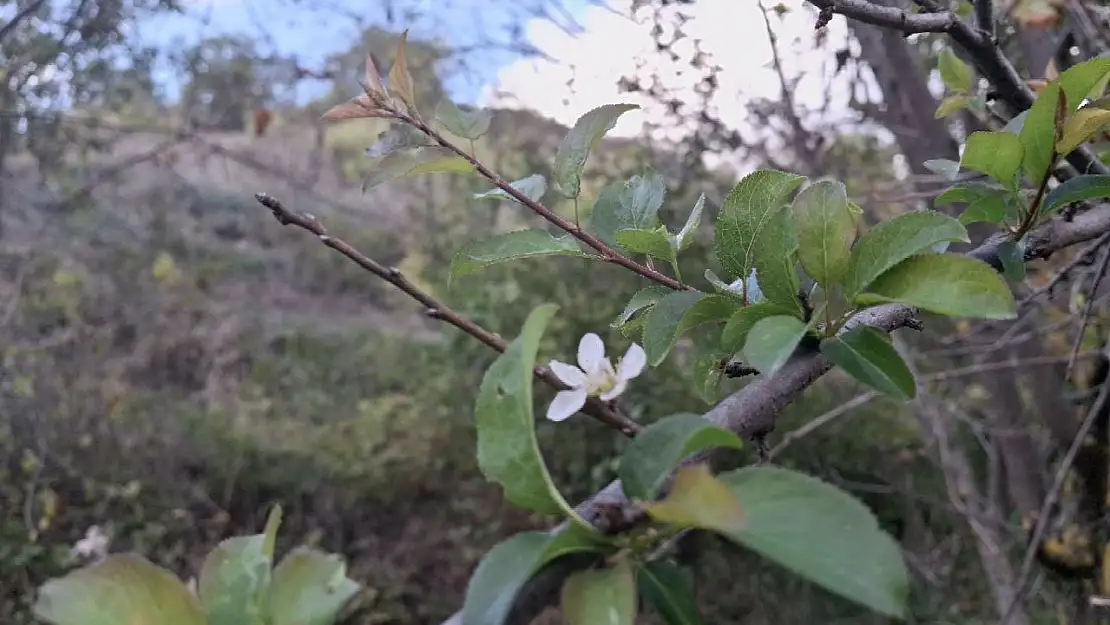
{"x":1080,"y":127}
{"x":698,"y":499}
{"x":121,"y":589}
{"x":400,"y":81}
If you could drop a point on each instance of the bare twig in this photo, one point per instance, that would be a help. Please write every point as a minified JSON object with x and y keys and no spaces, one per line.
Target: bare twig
{"x":1063,"y":272}
{"x":27,"y":11}
{"x":890,"y":17}
{"x":1086,"y":316}
{"x":435,"y":309}
{"x":1050,"y":501}
{"x":821,"y":421}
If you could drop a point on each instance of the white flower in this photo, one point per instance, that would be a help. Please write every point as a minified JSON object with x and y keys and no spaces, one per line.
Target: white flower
{"x":94,"y":544}
{"x":594,"y":376}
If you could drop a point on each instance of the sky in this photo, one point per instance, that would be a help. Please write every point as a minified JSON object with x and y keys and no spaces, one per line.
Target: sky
{"x":592,"y":44}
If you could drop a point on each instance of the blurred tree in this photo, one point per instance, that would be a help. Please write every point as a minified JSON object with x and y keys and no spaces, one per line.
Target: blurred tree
{"x":224,"y":83}
{"x":60,"y":55}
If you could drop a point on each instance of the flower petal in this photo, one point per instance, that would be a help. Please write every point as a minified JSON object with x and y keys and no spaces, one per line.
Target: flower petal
{"x":633,"y":363}
{"x":565,"y":404}
{"x":618,"y":388}
{"x":569,"y":374}
{"x":591,"y":351}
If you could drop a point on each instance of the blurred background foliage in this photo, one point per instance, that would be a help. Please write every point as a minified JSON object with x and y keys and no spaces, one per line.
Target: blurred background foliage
{"x":174,"y":362}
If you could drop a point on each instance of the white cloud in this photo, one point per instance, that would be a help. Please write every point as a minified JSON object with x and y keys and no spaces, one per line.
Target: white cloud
{"x":613,"y":45}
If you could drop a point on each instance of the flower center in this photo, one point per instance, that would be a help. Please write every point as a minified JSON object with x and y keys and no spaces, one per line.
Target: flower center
{"x":601,"y":380}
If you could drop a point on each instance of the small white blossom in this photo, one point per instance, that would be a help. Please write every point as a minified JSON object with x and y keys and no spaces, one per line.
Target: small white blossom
{"x":93,"y":545}
{"x":594,"y":376}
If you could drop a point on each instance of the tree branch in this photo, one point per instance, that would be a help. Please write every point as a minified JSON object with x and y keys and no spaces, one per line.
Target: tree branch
{"x":435,"y":309}
{"x":890,"y":17}
{"x":27,"y":11}
{"x":607,"y":253}
{"x":980,"y":46}
{"x":751,"y":411}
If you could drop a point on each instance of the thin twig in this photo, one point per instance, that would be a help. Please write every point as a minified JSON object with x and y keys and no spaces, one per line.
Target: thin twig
{"x":987,"y":367}
{"x":435,"y":309}
{"x":1086,"y":317}
{"x":9,"y":27}
{"x":1050,"y":501}
{"x":607,"y":253}
{"x":821,"y":421}
{"x":1063,"y":272}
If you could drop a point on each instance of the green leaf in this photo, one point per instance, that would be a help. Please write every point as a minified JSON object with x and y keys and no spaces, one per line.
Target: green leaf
{"x":1078,"y":189}
{"x":397,"y":138}
{"x":984,"y":203}
{"x":269,"y":533}
{"x":746,"y":214}
{"x":508,"y":452}
{"x":652,"y":242}
{"x":946,"y":284}
{"x":826,"y":231}
{"x":470,"y":124}
{"x":742,"y":321}
{"x":1038,"y":135}
{"x":670,"y":591}
{"x":686,"y":235}
{"x":698,"y":499}
{"x":776,"y":278}
{"x":822,"y":534}
{"x":944,"y":167}
{"x":633,"y":204}
{"x":575,"y":148}
{"x":954,"y":73}
{"x":661,"y":325}
{"x":122,"y":588}
{"x":895,"y":240}
{"x":235,"y":579}
{"x":656,"y":451}
{"x":951,"y":104}
{"x":504,"y":569}
{"x":644,"y":298}
{"x":1012,"y":256}
{"x":533,"y":187}
{"x":508,"y":246}
{"x":771,"y":342}
{"x":1081,"y":81}
{"x":416,"y":162}
{"x":996,"y":154}
{"x":309,"y":588}
{"x":1080,"y":127}
{"x":868,"y":356}
{"x":707,"y":367}
{"x":705,"y":309}
{"x":601,"y":596}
